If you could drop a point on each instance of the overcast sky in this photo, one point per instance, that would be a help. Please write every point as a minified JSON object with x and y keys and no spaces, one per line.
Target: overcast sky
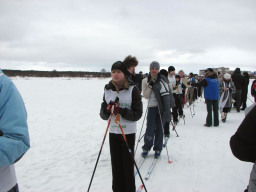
{"x":90,"y":35}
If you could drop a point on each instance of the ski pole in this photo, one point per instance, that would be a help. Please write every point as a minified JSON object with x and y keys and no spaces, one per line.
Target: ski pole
{"x":139,"y":138}
{"x":131,"y":155}
{"x":163,"y":133}
{"x":174,"y":129}
{"x":109,"y":121}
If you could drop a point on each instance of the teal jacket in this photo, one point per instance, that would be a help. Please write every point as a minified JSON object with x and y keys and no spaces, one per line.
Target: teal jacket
{"x":14,"y":137}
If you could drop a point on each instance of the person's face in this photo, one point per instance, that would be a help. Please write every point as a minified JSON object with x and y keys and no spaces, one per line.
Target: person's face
{"x":117,"y":76}
{"x":132,"y":70}
{"x":172,"y":72}
{"x":196,"y":77}
{"x":181,"y":74}
{"x":154,"y":71}
{"x":177,"y":79}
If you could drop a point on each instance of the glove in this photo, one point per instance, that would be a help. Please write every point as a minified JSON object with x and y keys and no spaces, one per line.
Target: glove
{"x":189,"y":83}
{"x":1,"y":133}
{"x":175,"y":87}
{"x":113,"y":106}
{"x":151,"y":83}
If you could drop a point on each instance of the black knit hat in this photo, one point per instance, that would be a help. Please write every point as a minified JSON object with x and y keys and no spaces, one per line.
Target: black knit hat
{"x":177,"y":76}
{"x":171,"y":68}
{"x":163,"y":72}
{"x":120,"y":66}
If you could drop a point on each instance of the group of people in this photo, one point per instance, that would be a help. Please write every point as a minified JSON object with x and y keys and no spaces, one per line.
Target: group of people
{"x":166,"y":93}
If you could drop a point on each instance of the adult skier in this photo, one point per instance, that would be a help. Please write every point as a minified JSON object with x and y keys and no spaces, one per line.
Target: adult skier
{"x":156,"y":90}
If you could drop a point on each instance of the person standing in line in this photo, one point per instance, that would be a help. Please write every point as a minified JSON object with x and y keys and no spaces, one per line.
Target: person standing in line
{"x":243,"y":145}
{"x":156,"y":90}
{"x":184,"y":82}
{"x":210,"y":84}
{"x":177,"y":93}
{"x":171,"y":77}
{"x":253,"y":90}
{"x":140,"y":78}
{"x":245,"y":90}
{"x":238,"y":80}
{"x":127,"y":110}
{"x":226,"y":89}
{"x":172,"y":105}
{"x":14,"y":136}
{"x":131,"y":63}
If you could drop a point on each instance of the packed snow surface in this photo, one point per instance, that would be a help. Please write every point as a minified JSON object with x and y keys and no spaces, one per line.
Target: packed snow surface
{"x":66,"y":133}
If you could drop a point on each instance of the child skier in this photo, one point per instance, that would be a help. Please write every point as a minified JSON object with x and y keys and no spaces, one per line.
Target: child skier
{"x":127,"y":109}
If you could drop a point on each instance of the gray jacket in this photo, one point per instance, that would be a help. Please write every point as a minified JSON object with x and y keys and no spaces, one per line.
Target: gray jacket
{"x":162,"y":94}
{"x":231,"y":90}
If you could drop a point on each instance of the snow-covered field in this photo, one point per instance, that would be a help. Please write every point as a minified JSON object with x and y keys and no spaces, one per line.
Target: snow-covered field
{"x":66,"y":133}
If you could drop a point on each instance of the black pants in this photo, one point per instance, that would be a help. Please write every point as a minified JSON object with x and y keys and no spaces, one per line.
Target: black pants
{"x":212,"y":106}
{"x":123,"y":179}
{"x":14,"y":189}
{"x":237,"y":96}
{"x":178,"y":106}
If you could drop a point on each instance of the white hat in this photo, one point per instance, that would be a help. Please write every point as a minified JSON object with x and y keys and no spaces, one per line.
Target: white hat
{"x":227,"y":76}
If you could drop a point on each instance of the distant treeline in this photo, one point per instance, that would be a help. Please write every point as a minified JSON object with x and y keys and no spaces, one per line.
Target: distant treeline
{"x":32,"y":73}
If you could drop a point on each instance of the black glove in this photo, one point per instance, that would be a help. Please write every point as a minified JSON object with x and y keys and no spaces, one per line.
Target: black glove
{"x":1,"y":133}
{"x":189,"y":83}
{"x":151,"y":83}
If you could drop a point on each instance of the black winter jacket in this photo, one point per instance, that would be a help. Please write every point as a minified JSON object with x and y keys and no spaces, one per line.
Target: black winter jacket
{"x":136,"y":108}
{"x":238,"y":79}
{"x":243,"y":142}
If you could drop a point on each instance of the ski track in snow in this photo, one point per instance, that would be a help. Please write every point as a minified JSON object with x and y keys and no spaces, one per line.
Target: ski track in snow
{"x":66,"y":133}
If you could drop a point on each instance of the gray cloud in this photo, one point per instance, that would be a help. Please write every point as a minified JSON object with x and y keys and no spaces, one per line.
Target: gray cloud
{"x":90,"y":35}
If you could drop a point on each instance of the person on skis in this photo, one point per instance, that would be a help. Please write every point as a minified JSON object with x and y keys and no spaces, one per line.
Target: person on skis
{"x":172,"y":105}
{"x":177,"y":94}
{"x":155,"y":88}
{"x":226,"y":89}
{"x":122,"y":103}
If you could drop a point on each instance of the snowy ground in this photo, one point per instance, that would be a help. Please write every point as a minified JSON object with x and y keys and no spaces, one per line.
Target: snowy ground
{"x":66,"y":132}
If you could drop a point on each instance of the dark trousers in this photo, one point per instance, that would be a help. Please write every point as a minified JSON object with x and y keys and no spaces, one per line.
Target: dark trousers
{"x":212,"y":106}
{"x":177,"y":110}
{"x":154,"y":130}
{"x":14,"y":189}
{"x":244,"y":99}
{"x":123,"y":179}
{"x":237,"y":96}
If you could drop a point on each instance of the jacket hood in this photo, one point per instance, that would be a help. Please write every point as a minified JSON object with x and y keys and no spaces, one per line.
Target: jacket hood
{"x":237,"y":70}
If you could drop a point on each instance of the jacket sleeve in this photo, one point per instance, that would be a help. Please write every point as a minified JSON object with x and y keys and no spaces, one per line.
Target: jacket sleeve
{"x":14,"y":141}
{"x":146,"y":91}
{"x":202,"y":83}
{"x":135,"y":113}
{"x":243,"y":142}
{"x":104,"y":113}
